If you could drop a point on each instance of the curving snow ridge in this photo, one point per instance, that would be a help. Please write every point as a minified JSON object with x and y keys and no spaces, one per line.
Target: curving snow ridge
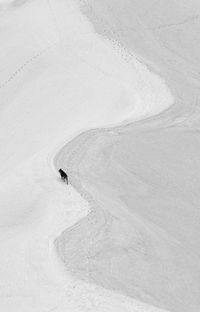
{"x":57,"y":78}
{"x":62,"y":78}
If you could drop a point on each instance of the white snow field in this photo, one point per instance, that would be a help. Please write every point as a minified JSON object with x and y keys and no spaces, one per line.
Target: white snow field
{"x":57,"y":78}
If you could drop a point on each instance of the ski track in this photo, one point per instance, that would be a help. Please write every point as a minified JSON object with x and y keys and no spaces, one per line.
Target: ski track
{"x":28,"y":62}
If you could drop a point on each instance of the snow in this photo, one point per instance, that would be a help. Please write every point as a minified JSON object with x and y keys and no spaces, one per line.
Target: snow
{"x":57,"y":78}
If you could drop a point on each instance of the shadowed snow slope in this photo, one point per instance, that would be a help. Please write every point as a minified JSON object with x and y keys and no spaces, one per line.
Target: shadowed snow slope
{"x":57,"y":78}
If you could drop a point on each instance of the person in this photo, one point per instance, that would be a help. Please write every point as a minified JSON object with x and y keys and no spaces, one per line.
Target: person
{"x":63,"y":175}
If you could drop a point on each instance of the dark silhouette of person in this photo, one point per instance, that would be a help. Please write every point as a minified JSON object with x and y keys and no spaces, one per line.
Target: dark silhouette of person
{"x":63,"y":175}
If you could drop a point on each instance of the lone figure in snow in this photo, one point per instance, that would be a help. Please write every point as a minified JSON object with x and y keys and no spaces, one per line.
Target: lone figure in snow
{"x":63,"y":175}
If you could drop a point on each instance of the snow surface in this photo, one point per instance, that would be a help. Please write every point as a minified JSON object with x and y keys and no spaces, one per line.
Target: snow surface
{"x":57,"y":78}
